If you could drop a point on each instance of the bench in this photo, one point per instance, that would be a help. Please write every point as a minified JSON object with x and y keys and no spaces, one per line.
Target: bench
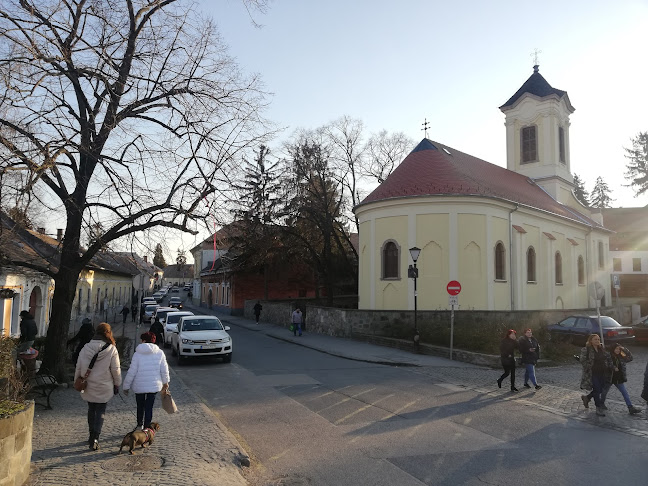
{"x":41,"y":384}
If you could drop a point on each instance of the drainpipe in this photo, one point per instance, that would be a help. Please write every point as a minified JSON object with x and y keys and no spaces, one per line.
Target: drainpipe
{"x":587,"y":267}
{"x":517,"y":206}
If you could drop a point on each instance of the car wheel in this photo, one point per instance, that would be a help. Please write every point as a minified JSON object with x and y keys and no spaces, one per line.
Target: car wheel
{"x":227,"y":358}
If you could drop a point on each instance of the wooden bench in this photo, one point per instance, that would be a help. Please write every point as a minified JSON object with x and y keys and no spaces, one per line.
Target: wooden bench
{"x":41,"y":384}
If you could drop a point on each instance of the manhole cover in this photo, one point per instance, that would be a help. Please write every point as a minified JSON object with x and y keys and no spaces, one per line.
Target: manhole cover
{"x":129,"y":463}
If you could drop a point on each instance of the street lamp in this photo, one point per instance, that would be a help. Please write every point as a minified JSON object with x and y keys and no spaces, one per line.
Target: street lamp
{"x":412,"y":272}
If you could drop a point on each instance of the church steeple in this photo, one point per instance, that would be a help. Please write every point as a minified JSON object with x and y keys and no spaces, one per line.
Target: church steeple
{"x":537,"y":135}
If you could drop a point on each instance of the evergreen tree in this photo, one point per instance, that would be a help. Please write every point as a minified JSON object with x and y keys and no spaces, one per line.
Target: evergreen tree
{"x":600,"y":196}
{"x":580,"y":192}
{"x":158,"y":257}
{"x":637,"y":168}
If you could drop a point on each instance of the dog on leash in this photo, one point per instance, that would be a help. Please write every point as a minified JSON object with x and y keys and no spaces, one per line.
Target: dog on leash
{"x":139,"y":436}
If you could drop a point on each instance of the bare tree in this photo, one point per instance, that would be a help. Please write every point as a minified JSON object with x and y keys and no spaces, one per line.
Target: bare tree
{"x":124,"y":112}
{"x":386,"y":151}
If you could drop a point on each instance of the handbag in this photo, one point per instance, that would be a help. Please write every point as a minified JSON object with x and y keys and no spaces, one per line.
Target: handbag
{"x":81,"y":382}
{"x":168,"y":404}
{"x":292,"y":327}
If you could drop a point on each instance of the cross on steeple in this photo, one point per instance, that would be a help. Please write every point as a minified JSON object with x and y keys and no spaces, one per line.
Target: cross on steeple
{"x":534,"y":54}
{"x":425,"y":124}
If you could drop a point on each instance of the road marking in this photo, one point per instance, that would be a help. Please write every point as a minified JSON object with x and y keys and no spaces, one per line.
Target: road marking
{"x":350,"y":397}
{"x":361,"y":409}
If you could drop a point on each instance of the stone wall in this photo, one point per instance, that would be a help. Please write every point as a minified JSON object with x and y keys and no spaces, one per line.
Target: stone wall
{"x":16,"y":447}
{"x":474,"y":330}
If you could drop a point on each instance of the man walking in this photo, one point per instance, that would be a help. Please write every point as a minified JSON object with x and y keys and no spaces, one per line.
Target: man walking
{"x":28,"y":331}
{"x":257,"y":310}
{"x":124,"y":312}
{"x":297,"y":321}
{"x":133,"y":311}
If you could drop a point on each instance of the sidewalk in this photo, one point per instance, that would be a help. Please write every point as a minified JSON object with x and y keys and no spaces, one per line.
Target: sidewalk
{"x":192,"y":446}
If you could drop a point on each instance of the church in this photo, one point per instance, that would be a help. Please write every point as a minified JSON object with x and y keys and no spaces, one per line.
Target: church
{"x":514,"y":238}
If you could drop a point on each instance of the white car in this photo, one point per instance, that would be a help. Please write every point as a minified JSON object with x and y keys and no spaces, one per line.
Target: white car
{"x":149,"y":309}
{"x":161,"y":313}
{"x":171,"y":324}
{"x":201,"y":336}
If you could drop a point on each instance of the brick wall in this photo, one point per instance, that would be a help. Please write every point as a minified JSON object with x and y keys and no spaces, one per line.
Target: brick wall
{"x":16,"y":446}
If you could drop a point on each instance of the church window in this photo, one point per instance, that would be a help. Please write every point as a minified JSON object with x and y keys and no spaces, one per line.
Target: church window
{"x":636,"y":264}
{"x":561,"y":144}
{"x":500,"y":261}
{"x":559,"y":279}
{"x":390,"y":259}
{"x":581,"y":271}
{"x":616,"y":265}
{"x":531,"y":265}
{"x":529,"y":144}
{"x":601,"y":256}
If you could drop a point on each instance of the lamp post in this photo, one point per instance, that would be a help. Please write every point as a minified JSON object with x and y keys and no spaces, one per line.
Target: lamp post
{"x":412,"y":272}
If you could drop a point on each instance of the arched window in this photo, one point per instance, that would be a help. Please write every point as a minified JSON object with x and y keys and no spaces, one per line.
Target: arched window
{"x":390,"y":258}
{"x":531,"y":265}
{"x":581,"y":271}
{"x":500,"y":261}
{"x":601,"y":257}
{"x":559,"y":279}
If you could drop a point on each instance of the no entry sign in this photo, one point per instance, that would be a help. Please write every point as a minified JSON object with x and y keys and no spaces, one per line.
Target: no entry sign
{"x":453,"y":287}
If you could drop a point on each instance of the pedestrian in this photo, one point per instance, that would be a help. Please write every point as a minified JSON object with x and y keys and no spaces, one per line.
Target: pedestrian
{"x":596,"y":362}
{"x":83,"y":337}
{"x":257,"y":310}
{"x":147,"y":375}
{"x":618,"y":376}
{"x":102,"y":382}
{"x":297,"y":321}
{"x":28,"y":331}
{"x":507,"y":353}
{"x":142,"y":312}
{"x":124,"y":312}
{"x":133,"y":312}
{"x":158,"y":329}
{"x":530,"y":351}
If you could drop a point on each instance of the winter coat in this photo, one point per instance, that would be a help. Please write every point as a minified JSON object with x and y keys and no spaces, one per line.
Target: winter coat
{"x":644,"y":392}
{"x":148,"y":370}
{"x":508,"y":347}
{"x":587,"y":361}
{"x":525,"y":344}
{"x":28,"y":329}
{"x":257,"y":308}
{"x":619,"y":362}
{"x":158,"y":329}
{"x":105,"y":375}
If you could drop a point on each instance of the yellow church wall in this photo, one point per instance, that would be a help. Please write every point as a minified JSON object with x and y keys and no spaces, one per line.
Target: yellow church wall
{"x":391,"y":293}
{"x":471,"y":257}
{"x":364,"y":245}
{"x":501,"y":297}
{"x":433,"y":238}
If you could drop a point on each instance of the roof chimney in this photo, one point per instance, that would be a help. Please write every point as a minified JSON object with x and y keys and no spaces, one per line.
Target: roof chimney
{"x":145,"y":259}
{"x":41,"y":230}
{"x":59,"y":234}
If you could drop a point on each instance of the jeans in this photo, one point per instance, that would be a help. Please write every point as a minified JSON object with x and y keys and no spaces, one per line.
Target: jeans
{"x":621,"y":387}
{"x":297,"y":327}
{"x":145,"y":403}
{"x":529,"y":374}
{"x":598,"y":385}
{"x":509,"y":369}
{"x":96,"y":414}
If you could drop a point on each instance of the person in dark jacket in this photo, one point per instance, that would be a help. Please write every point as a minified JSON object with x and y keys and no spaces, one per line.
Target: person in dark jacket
{"x":28,"y":331}
{"x":158,"y":329}
{"x":133,"y":312}
{"x":530,"y":351}
{"x":507,"y":351}
{"x":618,"y":376}
{"x":83,"y":337}
{"x":257,"y":310}
{"x":124,"y":312}
{"x":596,"y":364}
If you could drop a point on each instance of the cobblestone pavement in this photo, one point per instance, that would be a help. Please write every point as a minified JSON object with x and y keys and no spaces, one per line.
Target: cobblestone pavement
{"x":192,"y":446}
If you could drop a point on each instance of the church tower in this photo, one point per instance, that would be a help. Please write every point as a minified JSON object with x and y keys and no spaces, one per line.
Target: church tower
{"x":537,"y":136}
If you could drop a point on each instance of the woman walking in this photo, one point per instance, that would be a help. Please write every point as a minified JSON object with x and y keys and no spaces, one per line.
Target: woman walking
{"x":148,"y":374}
{"x":102,"y":382}
{"x":507,"y":351}
{"x":530,"y":351}
{"x":620,"y":356}
{"x":596,"y":362}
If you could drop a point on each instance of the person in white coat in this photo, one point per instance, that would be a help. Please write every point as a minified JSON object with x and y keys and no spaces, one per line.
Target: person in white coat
{"x":147,"y":375}
{"x":102,"y":382}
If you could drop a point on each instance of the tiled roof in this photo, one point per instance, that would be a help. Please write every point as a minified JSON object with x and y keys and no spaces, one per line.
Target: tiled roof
{"x":178,"y":271}
{"x":434,"y":169}
{"x":538,"y":86}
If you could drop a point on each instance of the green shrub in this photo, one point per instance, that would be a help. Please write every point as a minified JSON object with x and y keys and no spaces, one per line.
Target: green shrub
{"x":13,"y":386}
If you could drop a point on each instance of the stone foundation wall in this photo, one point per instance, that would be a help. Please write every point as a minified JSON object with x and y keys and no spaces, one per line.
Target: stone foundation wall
{"x":16,"y":447}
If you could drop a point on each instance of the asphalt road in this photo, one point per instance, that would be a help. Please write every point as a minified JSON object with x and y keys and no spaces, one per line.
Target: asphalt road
{"x":308,"y":418}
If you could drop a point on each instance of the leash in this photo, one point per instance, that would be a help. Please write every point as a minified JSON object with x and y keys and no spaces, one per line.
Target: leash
{"x":129,"y":408}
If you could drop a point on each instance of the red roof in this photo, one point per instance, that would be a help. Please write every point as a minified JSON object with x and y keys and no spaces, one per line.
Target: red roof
{"x":434,"y":169}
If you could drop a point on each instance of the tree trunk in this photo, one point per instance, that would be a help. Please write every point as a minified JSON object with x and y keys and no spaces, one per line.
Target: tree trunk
{"x":57,"y":334}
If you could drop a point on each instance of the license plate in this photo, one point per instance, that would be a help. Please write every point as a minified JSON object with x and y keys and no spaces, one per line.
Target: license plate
{"x":621,"y":333}
{"x":208,"y":346}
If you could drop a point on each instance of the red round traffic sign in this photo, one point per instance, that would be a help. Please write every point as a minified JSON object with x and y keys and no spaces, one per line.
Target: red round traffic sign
{"x":453,"y":287}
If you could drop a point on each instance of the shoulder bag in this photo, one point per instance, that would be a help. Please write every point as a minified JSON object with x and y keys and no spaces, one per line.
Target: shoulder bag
{"x":81,"y":382}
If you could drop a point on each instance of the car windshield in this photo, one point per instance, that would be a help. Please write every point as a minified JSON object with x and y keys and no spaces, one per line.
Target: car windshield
{"x":174,"y":318}
{"x":175,"y":300}
{"x":161,"y":314}
{"x":605,"y":322}
{"x":202,"y":325}
{"x":150,"y":308}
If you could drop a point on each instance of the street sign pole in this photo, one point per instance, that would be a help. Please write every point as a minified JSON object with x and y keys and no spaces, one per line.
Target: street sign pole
{"x":451,"y":329}
{"x":453,"y":288}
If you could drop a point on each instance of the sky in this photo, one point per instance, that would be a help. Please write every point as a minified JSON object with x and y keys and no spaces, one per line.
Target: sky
{"x":394,"y":64}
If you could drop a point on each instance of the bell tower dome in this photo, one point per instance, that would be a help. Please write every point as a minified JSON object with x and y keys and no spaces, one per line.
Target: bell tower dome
{"x":537,"y":135}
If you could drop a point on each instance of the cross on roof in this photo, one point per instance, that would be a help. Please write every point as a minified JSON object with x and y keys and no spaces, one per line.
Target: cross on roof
{"x":534,"y":54}
{"x":425,"y":124}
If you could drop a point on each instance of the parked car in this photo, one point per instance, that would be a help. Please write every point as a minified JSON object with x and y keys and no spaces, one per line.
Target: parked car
{"x":149,"y":310}
{"x":158,"y":297}
{"x":187,"y":287}
{"x":161,"y":313}
{"x":576,"y":329}
{"x":175,"y":302}
{"x":201,"y":336}
{"x":148,"y":300}
{"x":640,"y":329}
{"x":175,"y":289}
{"x":171,"y":325}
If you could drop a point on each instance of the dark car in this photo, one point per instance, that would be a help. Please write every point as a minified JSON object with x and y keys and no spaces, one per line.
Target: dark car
{"x":175,"y":302}
{"x":576,"y":329}
{"x":641,"y":330}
